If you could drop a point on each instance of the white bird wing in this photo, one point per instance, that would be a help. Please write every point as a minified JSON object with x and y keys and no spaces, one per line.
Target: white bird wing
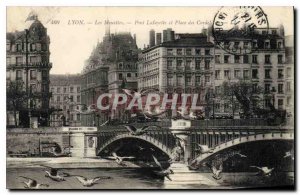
{"x":127,"y":91}
{"x":128,"y":157}
{"x":257,"y":167}
{"x":104,"y":123}
{"x":204,"y":147}
{"x":114,"y":154}
{"x":157,"y":162}
{"x":130,"y":128}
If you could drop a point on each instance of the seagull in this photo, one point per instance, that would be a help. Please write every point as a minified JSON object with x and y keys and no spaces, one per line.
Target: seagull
{"x":32,"y":183}
{"x":289,"y":154}
{"x":241,"y":155}
{"x":138,"y":131}
{"x":103,"y":124}
{"x":53,"y":174}
{"x":138,"y":94}
{"x":216,"y":172}
{"x":119,"y":159}
{"x":184,"y":115}
{"x":89,"y":182}
{"x":150,"y":113}
{"x":56,"y":154}
{"x":203,"y":148}
{"x":163,"y":172}
{"x":192,"y":115}
{"x":265,"y":171}
{"x":86,"y":109}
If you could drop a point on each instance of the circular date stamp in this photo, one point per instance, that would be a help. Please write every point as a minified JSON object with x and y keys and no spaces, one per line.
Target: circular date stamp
{"x":232,"y":24}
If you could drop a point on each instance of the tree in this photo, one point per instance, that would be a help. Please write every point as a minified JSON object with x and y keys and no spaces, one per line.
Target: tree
{"x":16,"y":97}
{"x":242,"y":93}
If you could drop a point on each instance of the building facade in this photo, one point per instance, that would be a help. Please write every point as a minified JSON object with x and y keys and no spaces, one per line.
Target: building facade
{"x":65,"y":100}
{"x":111,"y":67}
{"x":27,"y":75}
{"x":263,"y":64}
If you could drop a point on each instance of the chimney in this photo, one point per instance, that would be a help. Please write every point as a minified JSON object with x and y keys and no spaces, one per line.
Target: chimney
{"x":151,"y":38}
{"x":158,"y":38}
{"x":168,"y":35}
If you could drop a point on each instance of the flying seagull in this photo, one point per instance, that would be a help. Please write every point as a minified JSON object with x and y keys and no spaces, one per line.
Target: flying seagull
{"x":103,"y":124}
{"x":138,"y":131}
{"x":139,"y":93}
{"x":54,"y":175}
{"x":163,"y":172}
{"x":119,"y":159}
{"x":89,"y":182}
{"x":32,"y":183}
{"x":203,"y":148}
{"x":264,"y":171}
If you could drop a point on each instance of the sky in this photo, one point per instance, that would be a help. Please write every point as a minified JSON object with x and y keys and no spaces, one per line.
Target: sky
{"x":75,"y":31}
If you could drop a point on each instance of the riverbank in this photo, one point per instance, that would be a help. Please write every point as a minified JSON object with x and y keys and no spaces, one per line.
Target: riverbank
{"x":66,"y":162}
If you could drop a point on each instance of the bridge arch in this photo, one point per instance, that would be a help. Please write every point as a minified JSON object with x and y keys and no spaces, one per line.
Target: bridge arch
{"x":242,"y":140}
{"x":146,"y":138}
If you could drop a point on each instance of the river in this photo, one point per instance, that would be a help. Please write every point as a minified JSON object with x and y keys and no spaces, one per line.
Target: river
{"x":142,"y":178}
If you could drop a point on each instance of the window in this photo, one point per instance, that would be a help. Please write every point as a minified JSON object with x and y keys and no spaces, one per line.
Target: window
{"x":198,"y":64}
{"x":279,"y":45}
{"x":254,"y":59}
{"x":274,"y":32}
{"x":267,"y":59}
{"x":188,"y":80}
{"x":254,"y":73}
{"x":279,"y":59}
{"x":226,"y":58}
{"x":198,"y":51}
{"x":33,"y":59}
{"x":237,"y":74}
{"x":217,"y":107}
{"x":169,"y":51}
{"x":19,"y":47}
{"x":198,"y":79}
{"x":288,"y":86}
{"x":217,"y":59}
{"x":7,"y":47}
{"x":207,"y":66}
{"x":120,"y":76}
{"x":188,"y":52}
{"x":226,"y":107}
{"x":44,"y":74}
{"x":44,"y":88}
{"x":19,"y":75}
{"x":217,"y":74}
{"x":128,"y":75}
{"x":179,"y":51}
{"x":288,"y":72}
{"x":207,"y":51}
{"x":32,"y":88}
{"x":267,"y":44}
{"x":236,"y":44}
{"x":267,"y":88}
{"x":254,"y":44}
{"x":78,"y":98}
{"x":254,"y":87}
{"x":280,"y":88}
{"x":38,"y":47}
{"x":7,"y":74}
{"x":218,"y":89}
{"x":236,"y":59}
{"x":288,"y":101}
{"x":71,"y":89}
{"x":246,"y":44}
{"x":170,"y":80}
{"x":264,"y":32}
{"x":267,"y":73}
{"x":226,"y":74}
{"x":78,"y":117}
{"x":65,"y":90}
{"x":78,"y":89}
{"x":245,"y":59}
{"x":280,"y":103}
{"x":58,"y":98}
{"x":71,"y":98}
{"x":188,"y":64}
{"x":246,"y":74}
{"x":267,"y":103}
{"x":179,"y":80}
{"x":58,"y":89}
{"x":179,"y":63}
{"x":280,"y":73}
{"x":8,"y":62}
{"x":19,"y":60}
{"x":169,"y":64}
{"x":32,"y":74}
{"x":207,"y":79}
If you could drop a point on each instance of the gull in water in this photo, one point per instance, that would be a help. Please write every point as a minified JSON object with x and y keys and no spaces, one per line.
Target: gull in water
{"x":138,"y":131}
{"x":89,"y":182}
{"x":264,"y":171}
{"x":163,"y":172}
{"x":54,"y":175}
{"x":32,"y":183}
{"x":215,"y":171}
{"x":119,"y":159}
{"x":203,"y":149}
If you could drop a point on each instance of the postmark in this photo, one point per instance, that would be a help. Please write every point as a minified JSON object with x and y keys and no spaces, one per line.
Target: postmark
{"x":232,"y":24}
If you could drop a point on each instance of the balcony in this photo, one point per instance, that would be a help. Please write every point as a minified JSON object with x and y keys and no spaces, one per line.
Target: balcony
{"x":30,"y":65}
